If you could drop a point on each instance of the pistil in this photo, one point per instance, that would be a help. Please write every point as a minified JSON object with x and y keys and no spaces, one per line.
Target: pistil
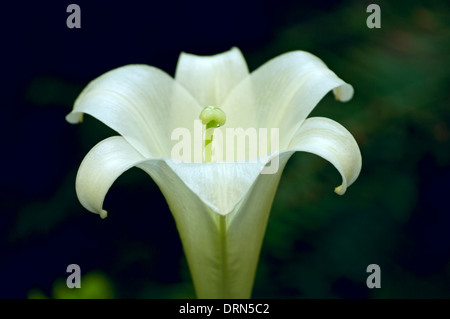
{"x":213,"y":117}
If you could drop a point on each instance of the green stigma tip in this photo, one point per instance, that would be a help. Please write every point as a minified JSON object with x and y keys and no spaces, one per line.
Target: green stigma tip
{"x":212,"y":116}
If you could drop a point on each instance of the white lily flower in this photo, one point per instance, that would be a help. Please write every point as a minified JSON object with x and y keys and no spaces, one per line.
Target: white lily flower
{"x":220,"y":209}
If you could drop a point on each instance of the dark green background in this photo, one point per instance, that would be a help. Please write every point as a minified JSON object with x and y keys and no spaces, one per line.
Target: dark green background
{"x":317,"y":244}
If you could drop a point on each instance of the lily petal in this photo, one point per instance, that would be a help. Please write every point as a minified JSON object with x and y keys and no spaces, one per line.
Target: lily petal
{"x":215,"y":243}
{"x":104,"y":163}
{"x":211,"y":78}
{"x":142,"y":103}
{"x":282,"y":92}
{"x":331,"y":141}
{"x":219,"y":185}
{"x":246,"y":229}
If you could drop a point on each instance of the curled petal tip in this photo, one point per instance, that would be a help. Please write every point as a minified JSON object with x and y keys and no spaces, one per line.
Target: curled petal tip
{"x":339,"y":190}
{"x":103,"y":214}
{"x":74,"y":118}
{"x":344,"y":93}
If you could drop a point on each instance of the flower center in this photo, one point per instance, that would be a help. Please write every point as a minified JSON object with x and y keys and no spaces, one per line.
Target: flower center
{"x":213,"y":117}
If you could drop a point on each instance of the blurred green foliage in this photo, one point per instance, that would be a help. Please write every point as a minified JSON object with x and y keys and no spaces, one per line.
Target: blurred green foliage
{"x":95,"y":285}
